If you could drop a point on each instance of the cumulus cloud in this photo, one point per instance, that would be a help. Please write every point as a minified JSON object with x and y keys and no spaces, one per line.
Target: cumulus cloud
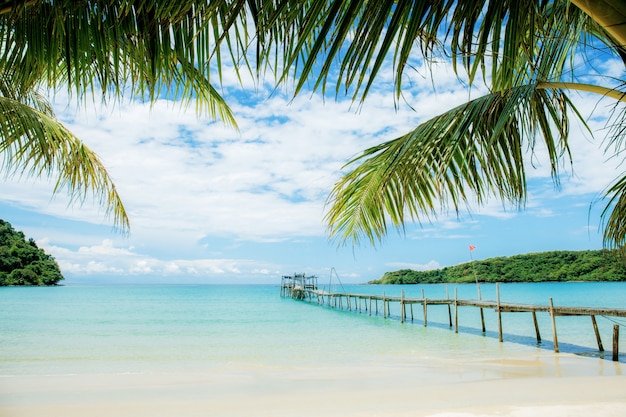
{"x":431,"y":265}
{"x":105,"y":258}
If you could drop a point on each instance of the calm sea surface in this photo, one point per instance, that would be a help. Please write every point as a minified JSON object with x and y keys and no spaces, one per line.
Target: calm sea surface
{"x":77,"y":329}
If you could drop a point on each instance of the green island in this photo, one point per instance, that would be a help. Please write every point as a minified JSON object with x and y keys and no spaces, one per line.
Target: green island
{"x":590,"y":265}
{"x":22,"y":262}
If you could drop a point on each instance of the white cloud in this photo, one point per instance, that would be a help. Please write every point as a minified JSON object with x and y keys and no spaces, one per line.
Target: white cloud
{"x":105,"y":258}
{"x":431,"y":265}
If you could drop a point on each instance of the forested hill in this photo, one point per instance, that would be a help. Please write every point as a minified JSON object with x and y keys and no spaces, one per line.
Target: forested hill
{"x":22,"y":262}
{"x":598,"y":265}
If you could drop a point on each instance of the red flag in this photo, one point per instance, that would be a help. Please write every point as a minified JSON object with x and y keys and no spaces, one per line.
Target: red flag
{"x":472,"y":247}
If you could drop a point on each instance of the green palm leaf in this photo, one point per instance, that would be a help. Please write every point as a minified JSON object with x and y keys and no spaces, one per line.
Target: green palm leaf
{"x":614,"y":214}
{"x":147,"y":48}
{"x":475,"y":149}
{"x":34,"y":143}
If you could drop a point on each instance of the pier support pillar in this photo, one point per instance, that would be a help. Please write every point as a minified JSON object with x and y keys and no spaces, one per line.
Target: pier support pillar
{"x":482,"y":313}
{"x":402,"y":306}
{"x":554,"y":337}
{"x":425,"y":308}
{"x":616,"y":342}
{"x":456,"y":312}
{"x":449,"y":309}
{"x":500,"y":338}
{"x":384,"y":307}
{"x":595,"y":330}
{"x":536,"y":326}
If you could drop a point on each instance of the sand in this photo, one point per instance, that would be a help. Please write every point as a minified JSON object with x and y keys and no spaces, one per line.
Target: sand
{"x":526,"y":385}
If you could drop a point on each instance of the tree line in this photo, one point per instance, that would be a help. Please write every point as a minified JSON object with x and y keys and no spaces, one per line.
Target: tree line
{"x":22,"y":262}
{"x":590,"y":265}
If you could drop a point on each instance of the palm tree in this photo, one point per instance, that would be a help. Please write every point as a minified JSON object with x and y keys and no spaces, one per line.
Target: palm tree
{"x":524,"y":51}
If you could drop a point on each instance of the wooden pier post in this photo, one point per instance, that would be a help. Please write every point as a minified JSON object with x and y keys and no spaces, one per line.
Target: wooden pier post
{"x":595,"y":330}
{"x":402,"y":306}
{"x":384,"y":307}
{"x":536,"y":326}
{"x":425,"y":307}
{"x":449,"y":308}
{"x":456,"y":312}
{"x":500,"y":338}
{"x":370,"y":310}
{"x":554,"y":337}
{"x":482,"y":314}
{"x":615,"y":342}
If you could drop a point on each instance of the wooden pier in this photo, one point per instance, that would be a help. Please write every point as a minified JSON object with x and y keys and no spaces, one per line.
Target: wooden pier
{"x":305,"y":288}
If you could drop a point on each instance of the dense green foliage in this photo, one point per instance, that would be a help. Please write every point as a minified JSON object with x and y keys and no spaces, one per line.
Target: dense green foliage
{"x":596,"y":265}
{"x":22,"y":262}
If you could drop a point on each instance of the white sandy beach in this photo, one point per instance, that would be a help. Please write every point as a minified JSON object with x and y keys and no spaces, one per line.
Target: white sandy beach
{"x":556,"y":385}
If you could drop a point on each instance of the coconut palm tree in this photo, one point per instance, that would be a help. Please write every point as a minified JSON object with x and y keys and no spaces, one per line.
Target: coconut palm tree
{"x":525,"y":52}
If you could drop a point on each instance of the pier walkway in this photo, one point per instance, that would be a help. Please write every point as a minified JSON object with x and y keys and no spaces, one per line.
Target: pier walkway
{"x":305,"y":288}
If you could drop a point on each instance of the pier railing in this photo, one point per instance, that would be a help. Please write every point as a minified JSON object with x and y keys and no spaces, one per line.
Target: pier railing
{"x":370,"y":303}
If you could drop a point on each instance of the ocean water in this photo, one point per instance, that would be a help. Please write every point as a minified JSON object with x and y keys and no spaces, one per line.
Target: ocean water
{"x":119,"y":329}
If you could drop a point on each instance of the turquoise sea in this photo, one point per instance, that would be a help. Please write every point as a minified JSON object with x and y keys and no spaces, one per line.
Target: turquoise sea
{"x":76,"y":329}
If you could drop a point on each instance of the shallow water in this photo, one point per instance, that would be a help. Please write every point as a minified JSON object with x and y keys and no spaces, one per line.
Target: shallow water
{"x":126,"y":328}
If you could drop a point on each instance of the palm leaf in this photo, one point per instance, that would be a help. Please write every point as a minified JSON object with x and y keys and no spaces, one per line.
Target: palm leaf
{"x":614,"y":214}
{"x":349,"y":42}
{"x":120,"y":46}
{"x":35,"y":144}
{"x":476,"y":149}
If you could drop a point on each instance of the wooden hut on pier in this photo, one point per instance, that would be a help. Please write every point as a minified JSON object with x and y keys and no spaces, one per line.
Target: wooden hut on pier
{"x":298,"y":285}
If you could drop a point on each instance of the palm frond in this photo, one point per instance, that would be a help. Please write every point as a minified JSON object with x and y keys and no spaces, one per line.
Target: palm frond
{"x":614,"y":215}
{"x":115,"y":47}
{"x":35,"y":144}
{"x":348,"y":42}
{"x":476,"y":149}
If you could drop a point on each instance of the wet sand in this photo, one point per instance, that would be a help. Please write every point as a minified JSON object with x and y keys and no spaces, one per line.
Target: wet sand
{"x":545,"y":384}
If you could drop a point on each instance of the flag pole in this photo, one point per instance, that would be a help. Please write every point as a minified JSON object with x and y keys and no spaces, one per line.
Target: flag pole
{"x":471,"y":249}
{"x":482,"y":314}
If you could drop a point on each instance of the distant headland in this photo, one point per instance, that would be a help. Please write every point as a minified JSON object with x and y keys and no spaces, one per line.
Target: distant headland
{"x":22,"y":262}
{"x":590,"y":265}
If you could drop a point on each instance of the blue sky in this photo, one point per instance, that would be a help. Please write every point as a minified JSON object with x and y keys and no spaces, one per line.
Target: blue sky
{"x":209,"y":204}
